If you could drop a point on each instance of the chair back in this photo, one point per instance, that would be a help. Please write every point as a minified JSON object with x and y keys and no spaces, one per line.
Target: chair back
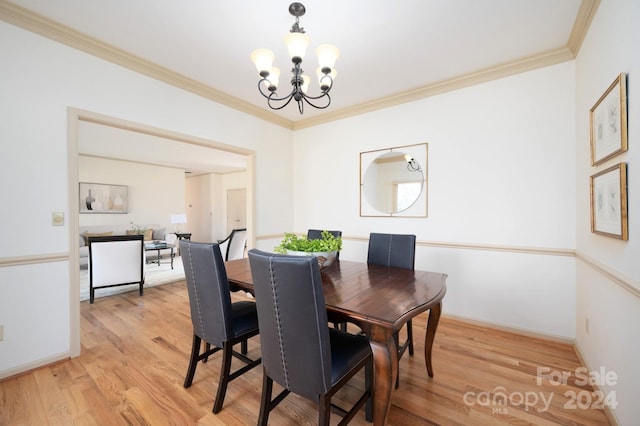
{"x":233,"y":246}
{"x":292,"y":317}
{"x":316,"y":234}
{"x":116,"y":259}
{"x":209,"y":294}
{"x":237,"y":243}
{"x":396,"y":250}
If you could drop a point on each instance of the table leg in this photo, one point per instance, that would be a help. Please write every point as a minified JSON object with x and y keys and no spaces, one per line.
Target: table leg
{"x":432,"y":324}
{"x":385,"y":359}
{"x":171,"y":257}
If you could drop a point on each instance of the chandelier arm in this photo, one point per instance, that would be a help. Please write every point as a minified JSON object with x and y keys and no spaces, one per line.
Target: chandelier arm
{"x":270,"y":95}
{"x":324,"y":93}
{"x":328,"y":89}
{"x":308,"y":99}
{"x":269,"y":99}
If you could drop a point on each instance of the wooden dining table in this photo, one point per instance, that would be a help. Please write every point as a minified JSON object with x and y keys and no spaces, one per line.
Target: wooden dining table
{"x":379,"y":300}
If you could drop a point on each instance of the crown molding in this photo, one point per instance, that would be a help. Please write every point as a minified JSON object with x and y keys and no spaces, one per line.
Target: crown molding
{"x":544,"y":59}
{"x":38,"y":24}
{"x":582,"y":23}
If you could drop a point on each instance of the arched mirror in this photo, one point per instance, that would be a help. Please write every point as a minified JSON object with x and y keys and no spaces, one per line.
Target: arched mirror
{"x":393,"y":182}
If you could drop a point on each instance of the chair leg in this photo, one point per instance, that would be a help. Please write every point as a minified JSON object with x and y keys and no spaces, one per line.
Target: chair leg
{"x":410,"y":337}
{"x":265,"y":400}
{"x":368,"y":385}
{"x":325,"y":410}
{"x":227,"y":354}
{"x":207,"y":348}
{"x":407,"y":345}
{"x":193,"y":362}
{"x":396,"y":337}
{"x":244,"y":347}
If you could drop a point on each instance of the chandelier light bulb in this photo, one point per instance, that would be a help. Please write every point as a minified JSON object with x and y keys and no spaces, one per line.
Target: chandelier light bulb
{"x":305,"y":85}
{"x":263,"y":59}
{"x":272,"y":81}
{"x":296,"y":44}
{"x":327,"y":55}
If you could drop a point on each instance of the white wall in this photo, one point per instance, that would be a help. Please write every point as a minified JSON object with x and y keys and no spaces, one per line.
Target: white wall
{"x":613,"y":312}
{"x":154,"y":192}
{"x":500,"y":173}
{"x":39,"y":80}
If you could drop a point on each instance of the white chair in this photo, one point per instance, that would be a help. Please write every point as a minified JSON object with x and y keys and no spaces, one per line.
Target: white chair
{"x":233,"y":246}
{"x":115,"y":261}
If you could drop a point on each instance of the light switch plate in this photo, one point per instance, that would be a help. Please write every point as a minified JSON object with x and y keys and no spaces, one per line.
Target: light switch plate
{"x":57,"y":218}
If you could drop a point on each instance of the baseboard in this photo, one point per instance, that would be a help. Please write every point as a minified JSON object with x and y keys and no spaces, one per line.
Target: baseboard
{"x":608,"y":412}
{"x":514,"y":330}
{"x":25,"y":368}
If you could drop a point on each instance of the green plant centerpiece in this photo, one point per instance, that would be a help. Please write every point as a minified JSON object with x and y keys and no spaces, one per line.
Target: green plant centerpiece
{"x":325,"y":248}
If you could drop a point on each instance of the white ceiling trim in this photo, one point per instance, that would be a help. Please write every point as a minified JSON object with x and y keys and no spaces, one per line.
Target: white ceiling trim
{"x":36,"y":23}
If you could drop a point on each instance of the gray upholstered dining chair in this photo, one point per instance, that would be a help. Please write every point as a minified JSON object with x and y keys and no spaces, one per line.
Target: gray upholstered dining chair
{"x":233,"y":246}
{"x":299,"y":350}
{"x":216,"y":320}
{"x":316,"y":234}
{"x":399,"y":251}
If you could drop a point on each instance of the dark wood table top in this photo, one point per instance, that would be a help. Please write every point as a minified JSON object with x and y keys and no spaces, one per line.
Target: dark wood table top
{"x":379,"y":300}
{"x":363,"y":293}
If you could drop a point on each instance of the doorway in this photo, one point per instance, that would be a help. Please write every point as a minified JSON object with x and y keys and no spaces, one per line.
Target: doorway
{"x":236,"y":209}
{"x":74,"y":118}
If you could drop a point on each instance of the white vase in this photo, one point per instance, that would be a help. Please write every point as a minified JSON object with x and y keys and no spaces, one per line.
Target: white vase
{"x":325,"y":258}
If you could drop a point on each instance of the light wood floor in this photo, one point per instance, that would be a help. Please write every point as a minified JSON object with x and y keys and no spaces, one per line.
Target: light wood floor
{"x":135,"y":352}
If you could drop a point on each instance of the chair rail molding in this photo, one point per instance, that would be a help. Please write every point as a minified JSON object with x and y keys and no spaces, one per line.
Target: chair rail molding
{"x":623,"y":281}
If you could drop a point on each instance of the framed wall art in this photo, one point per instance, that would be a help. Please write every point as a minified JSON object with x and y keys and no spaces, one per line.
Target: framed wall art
{"x":608,"y":120}
{"x":103,"y":198}
{"x":609,"y":202}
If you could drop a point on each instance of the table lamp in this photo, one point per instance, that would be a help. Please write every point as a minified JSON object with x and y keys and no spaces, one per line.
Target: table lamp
{"x":177,"y":219}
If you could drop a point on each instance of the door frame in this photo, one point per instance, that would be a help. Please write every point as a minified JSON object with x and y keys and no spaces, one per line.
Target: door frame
{"x":74,"y":117}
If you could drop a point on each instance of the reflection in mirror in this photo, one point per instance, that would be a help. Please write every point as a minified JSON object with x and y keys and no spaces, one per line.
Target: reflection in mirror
{"x":391,"y":183}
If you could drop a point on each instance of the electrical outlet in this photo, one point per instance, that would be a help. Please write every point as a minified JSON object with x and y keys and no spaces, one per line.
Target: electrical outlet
{"x":1,"y":332}
{"x":586,"y":325}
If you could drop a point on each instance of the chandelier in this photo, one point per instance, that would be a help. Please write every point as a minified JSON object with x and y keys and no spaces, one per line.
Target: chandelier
{"x":297,"y":42}
{"x":412,"y":164}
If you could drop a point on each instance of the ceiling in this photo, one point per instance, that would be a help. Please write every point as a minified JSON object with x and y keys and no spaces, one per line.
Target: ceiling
{"x":391,"y":52}
{"x":111,"y":142}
